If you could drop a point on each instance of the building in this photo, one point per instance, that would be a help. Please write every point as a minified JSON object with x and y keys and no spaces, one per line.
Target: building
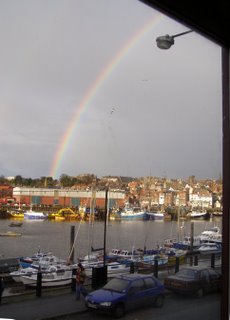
{"x":66,"y":197}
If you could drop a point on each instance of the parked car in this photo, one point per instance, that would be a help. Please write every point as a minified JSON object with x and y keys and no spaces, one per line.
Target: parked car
{"x":194,"y":280}
{"x":126,"y":292}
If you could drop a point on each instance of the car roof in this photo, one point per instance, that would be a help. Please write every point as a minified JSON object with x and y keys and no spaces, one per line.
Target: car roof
{"x":134,"y":276}
{"x":200,"y":268}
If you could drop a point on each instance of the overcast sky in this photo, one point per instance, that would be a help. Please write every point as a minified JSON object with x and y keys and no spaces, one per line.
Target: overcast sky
{"x":156,"y":112}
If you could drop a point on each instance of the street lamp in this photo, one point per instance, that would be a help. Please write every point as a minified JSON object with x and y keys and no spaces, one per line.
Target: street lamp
{"x":165,"y":42}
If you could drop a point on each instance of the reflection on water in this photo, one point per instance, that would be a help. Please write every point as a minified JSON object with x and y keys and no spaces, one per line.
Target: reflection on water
{"x":55,"y":236}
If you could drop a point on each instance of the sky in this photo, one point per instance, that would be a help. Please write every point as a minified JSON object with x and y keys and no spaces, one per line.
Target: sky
{"x":84,"y":89}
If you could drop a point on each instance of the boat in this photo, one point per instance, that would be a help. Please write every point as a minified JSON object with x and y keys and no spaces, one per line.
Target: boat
{"x":10,"y":234}
{"x":40,"y":260}
{"x":217,"y":213}
{"x":133,"y":213}
{"x":209,"y":248}
{"x":16,"y":214}
{"x":113,"y":268}
{"x":64,"y":214}
{"x":16,"y":275}
{"x":125,"y":254}
{"x":197,"y":214}
{"x":213,"y":234}
{"x":162,"y":259}
{"x":46,"y":261}
{"x":53,"y":277}
{"x":188,"y":242}
{"x":33,"y":215}
{"x":16,"y":224}
{"x":156,"y":215}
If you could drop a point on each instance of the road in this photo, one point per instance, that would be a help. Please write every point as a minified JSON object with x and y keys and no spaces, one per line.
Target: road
{"x":175,"y":308}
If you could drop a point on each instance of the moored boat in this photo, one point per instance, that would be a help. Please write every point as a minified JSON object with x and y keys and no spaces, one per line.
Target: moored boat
{"x":33,"y":215}
{"x":213,"y":234}
{"x":133,"y":213}
{"x":197,"y":214}
{"x":113,"y":268}
{"x":10,"y":234}
{"x":55,"y":276}
{"x":209,"y":247}
{"x":16,"y":275}
{"x":16,"y":224}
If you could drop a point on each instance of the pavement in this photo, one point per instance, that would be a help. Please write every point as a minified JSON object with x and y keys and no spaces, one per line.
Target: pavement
{"x":41,"y":308}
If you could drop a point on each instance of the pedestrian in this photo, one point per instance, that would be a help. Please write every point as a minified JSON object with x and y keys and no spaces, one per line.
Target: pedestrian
{"x":2,"y":286}
{"x":80,"y":279}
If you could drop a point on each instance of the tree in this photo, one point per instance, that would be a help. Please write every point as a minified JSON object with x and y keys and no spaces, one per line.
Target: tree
{"x":66,"y":181}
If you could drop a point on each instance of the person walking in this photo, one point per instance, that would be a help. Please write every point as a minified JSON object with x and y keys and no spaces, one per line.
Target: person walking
{"x":2,"y":286}
{"x":80,"y":280}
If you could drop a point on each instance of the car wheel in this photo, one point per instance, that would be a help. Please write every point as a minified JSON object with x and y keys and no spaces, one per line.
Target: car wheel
{"x":119,"y":311}
{"x":159,"y":301}
{"x":199,"y":293}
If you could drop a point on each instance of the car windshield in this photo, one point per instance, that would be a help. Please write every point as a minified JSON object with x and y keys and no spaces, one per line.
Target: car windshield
{"x":188,"y":273}
{"x":118,"y":285}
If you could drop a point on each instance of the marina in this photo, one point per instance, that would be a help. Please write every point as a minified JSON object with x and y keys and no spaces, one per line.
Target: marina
{"x":54,"y":236}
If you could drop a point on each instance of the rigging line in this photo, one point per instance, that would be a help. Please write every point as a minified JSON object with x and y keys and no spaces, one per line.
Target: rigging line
{"x":91,"y":221}
{"x":71,"y":251}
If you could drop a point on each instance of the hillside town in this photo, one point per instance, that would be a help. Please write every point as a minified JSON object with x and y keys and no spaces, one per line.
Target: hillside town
{"x":149,"y":193}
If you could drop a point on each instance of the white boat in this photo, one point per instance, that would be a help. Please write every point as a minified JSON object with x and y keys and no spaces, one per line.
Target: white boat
{"x":197,"y":214}
{"x":113,"y":268}
{"x":217,"y":213}
{"x":212,"y":234}
{"x":33,"y":215}
{"x":55,"y":276}
{"x":16,"y":275}
{"x":46,"y":261}
{"x":210,"y":247}
{"x":155,"y":215}
{"x":125,"y":254}
{"x":42,"y":262}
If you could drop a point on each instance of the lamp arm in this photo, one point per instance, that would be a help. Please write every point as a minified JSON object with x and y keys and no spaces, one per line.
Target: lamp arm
{"x":181,"y":34}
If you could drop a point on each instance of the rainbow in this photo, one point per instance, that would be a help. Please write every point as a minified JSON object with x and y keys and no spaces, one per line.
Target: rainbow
{"x":91,"y":91}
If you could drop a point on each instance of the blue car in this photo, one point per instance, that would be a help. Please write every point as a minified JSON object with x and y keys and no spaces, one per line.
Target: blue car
{"x":126,"y":292}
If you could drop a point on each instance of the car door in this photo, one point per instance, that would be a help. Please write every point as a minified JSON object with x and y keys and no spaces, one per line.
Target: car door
{"x":214,"y":279}
{"x":205,"y":280}
{"x":135,"y":298}
{"x":151,"y":290}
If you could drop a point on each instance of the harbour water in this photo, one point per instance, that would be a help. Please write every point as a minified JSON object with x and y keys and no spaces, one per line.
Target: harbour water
{"x":52,"y":236}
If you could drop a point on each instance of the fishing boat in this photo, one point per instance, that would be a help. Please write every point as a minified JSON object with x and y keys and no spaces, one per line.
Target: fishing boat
{"x":16,"y":275}
{"x":55,"y":276}
{"x":133,"y":213}
{"x":40,"y":260}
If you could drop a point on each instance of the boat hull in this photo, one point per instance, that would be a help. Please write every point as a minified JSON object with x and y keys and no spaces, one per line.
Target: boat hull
{"x":49,"y":279}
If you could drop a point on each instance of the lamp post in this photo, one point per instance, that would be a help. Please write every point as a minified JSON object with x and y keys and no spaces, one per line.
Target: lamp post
{"x":165,"y":42}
